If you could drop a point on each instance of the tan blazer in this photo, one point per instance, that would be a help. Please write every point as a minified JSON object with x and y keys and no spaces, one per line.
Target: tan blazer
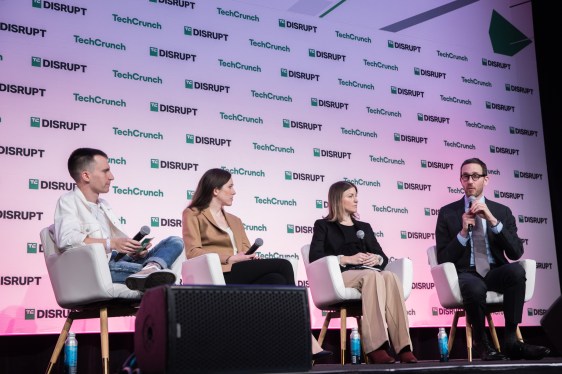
{"x":201,"y":235}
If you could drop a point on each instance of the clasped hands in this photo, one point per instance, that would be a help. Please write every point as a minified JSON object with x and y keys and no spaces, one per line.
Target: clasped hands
{"x":364,"y":258}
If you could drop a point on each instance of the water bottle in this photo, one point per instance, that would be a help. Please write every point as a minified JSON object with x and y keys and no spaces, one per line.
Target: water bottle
{"x":443,"y":345}
{"x":355,"y":344}
{"x":71,"y":354}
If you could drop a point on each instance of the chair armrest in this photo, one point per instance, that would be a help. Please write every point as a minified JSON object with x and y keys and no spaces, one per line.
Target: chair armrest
{"x":447,"y":285}
{"x":530,"y":267}
{"x":204,"y":269}
{"x":404,"y":269}
{"x":326,"y":283}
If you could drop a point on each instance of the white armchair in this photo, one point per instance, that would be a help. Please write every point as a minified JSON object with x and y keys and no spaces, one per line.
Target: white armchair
{"x":330,"y":294}
{"x":448,"y":291}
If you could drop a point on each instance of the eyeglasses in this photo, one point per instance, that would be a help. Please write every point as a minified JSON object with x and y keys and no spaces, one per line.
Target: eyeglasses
{"x":474,"y":176}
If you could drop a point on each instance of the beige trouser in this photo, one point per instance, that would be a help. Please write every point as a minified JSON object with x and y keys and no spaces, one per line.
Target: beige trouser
{"x":384,"y":311}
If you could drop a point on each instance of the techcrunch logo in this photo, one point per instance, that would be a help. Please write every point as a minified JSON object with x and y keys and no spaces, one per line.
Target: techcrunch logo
{"x":237,"y":14}
{"x":286,"y":73}
{"x":429,"y":73}
{"x":403,"y":46}
{"x":20,"y":214}
{"x":272,"y":148}
{"x":384,"y":112}
{"x":321,"y":204}
{"x":46,"y":313}
{"x":456,"y":100}
{"x":36,"y":184}
{"x":271,"y":96}
{"x":380,"y":65}
{"x":326,"y":55}
{"x":436,"y":165}
{"x":261,"y":227}
{"x":165,"y":108}
{"x":431,"y":118}
{"x":297,"y":26}
{"x":269,"y":45}
{"x":507,"y":151}
{"x":244,"y":172}
{"x":409,"y":138}
{"x":478,"y":125}
{"x":508,"y":195}
{"x":416,"y":235}
{"x":355,"y":84}
{"x":19,"y":151}
{"x":34,"y":248}
{"x":516,"y":131}
{"x":451,"y":56}
{"x":57,"y":65}
{"x":413,"y":186}
{"x":476,"y":82}
{"x":136,"y":22}
{"x":7,"y":280}
{"x":456,"y":144}
{"x":22,"y":90}
{"x":351,"y":36}
{"x":494,"y":172}
{"x":455,"y":190}
{"x":356,"y":132}
{"x":362,"y":182}
{"x":294,"y":229}
{"x":99,"y":43}
{"x":135,"y":191}
{"x":138,"y":134}
{"x":502,"y":107}
{"x":241,"y":118}
{"x":386,"y":160}
{"x":191,"y":31}
{"x":289,"y":176}
{"x":136,"y":77}
{"x":526,"y":219}
{"x":301,"y":125}
{"x":495,"y":64}
{"x":526,"y":175}
{"x":164,"y":222}
{"x":189,"y":194}
{"x":182,"y":56}
{"x":430,"y":211}
{"x":523,"y":90}
{"x":172,"y":165}
{"x":178,"y":3}
{"x":196,"y":139}
{"x":99,"y":100}
{"x":19,"y":29}
{"x":405,"y":91}
{"x":194,"y":85}
{"x":117,"y":161}
{"x":317,"y":152}
{"x":328,"y":103}
{"x":58,"y":7}
{"x":239,"y":66}
{"x":274,"y":201}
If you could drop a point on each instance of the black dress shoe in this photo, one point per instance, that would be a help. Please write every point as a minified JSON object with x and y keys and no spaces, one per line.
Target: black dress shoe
{"x":321,"y":354}
{"x":520,"y":350}
{"x":489,"y":353}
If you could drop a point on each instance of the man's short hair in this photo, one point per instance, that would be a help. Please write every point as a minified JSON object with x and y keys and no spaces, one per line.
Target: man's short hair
{"x":81,"y":159}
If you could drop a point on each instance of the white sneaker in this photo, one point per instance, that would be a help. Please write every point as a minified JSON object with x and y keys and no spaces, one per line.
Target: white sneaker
{"x":150,"y":276}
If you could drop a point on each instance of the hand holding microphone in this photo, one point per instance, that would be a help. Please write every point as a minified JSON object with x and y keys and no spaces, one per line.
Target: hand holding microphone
{"x":471,"y":199}
{"x":258,"y":243}
{"x":144,"y":231}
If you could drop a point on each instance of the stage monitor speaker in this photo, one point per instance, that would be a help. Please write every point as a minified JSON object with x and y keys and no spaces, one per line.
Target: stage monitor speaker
{"x":223,"y":329}
{"x":550,"y":322}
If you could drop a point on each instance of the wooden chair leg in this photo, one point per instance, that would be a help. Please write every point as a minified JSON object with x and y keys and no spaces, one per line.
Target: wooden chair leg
{"x":469,"y":340}
{"x":104,"y":335}
{"x":324,"y":328}
{"x":453,"y":331}
{"x":493,"y":333}
{"x":343,"y":333}
{"x":60,"y":343}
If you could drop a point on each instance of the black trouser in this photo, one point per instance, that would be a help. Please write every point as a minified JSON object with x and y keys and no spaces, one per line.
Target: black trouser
{"x":507,"y":279}
{"x":265,"y":271}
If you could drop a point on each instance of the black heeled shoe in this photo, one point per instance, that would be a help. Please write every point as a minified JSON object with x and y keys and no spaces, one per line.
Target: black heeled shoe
{"x":321,"y":354}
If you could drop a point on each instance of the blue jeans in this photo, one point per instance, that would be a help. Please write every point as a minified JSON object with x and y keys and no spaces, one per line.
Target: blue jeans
{"x":164,"y":253}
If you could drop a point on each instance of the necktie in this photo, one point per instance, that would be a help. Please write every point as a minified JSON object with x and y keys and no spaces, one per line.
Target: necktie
{"x":479,"y":247}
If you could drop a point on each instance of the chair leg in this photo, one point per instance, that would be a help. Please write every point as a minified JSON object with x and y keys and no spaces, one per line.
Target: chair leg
{"x":469,"y":341}
{"x":104,"y":335}
{"x":324,"y":328}
{"x":60,"y":343}
{"x":453,"y":331}
{"x":518,"y":334}
{"x":343,"y":333}
{"x":493,"y":332}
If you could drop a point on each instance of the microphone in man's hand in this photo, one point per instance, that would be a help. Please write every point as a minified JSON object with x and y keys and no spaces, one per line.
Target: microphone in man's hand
{"x":144,"y":231}
{"x":470,"y":200}
{"x":258,"y":243}
{"x":361,"y":235}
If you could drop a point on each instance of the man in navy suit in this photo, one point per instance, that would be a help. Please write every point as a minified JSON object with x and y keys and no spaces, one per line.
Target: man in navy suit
{"x":454,"y":235}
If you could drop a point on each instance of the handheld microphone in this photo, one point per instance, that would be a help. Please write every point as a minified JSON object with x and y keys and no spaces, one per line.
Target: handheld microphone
{"x":258,"y":243}
{"x":470,"y":199}
{"x":144,"y":231}
{"x":361,"y":235}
